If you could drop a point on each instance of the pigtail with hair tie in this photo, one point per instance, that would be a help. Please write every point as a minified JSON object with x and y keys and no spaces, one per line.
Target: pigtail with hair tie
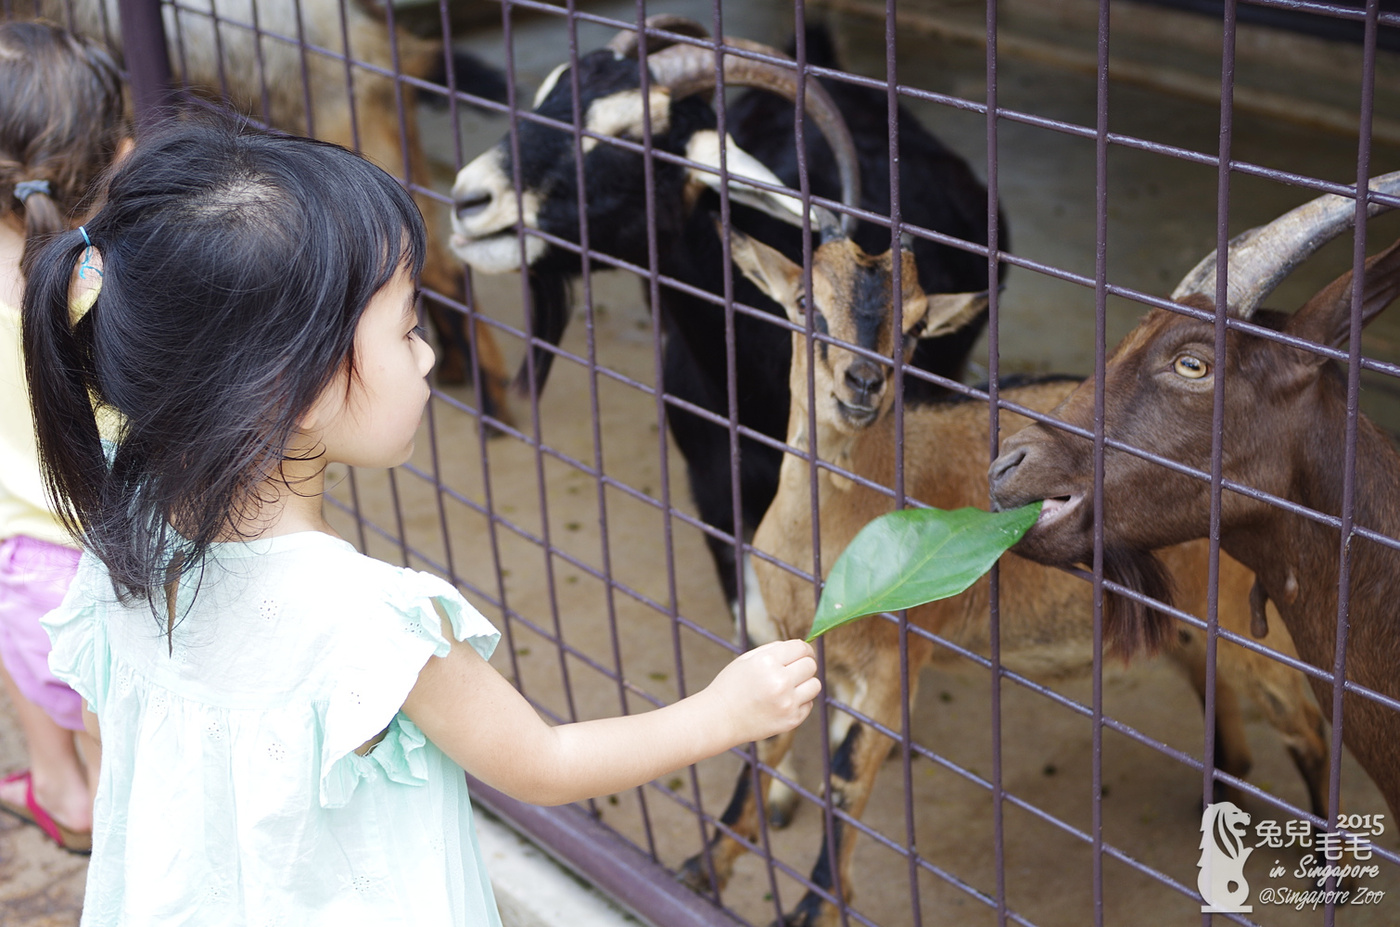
{"x":59,"y":372}
{"x":27,"y":188}
{"x":43,"y":218}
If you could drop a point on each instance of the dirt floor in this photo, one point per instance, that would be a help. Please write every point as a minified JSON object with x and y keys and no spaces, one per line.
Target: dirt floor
{"x":502,"y":501}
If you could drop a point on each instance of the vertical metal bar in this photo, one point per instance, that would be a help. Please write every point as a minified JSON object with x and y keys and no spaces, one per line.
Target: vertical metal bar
{"x":264,"y":97}
{"x":654,"y":300}
{"x":741,"y":617}
{"x":307,"y":103}
{"x":454,"y":117}
{"x":993,"y":432}
{"x":1217,"y":448}
{"x":350,"y":80}
{"x":1348,"y":514}
{"x":147,"y":60}
{"x":396,"y":66}
{"x":590,"y":320}
{"x":1100,"y":355}
{"x":219,"y":57}
{"x":804,"y":186}
{"x":536,"y":420}
{"x":906,"y":681}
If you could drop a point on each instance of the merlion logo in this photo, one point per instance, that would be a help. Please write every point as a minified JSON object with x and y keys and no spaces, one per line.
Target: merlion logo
{"x":1223,"y":853}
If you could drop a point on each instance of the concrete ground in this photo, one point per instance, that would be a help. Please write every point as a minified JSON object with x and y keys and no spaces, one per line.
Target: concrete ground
{"x":1161,"y":221}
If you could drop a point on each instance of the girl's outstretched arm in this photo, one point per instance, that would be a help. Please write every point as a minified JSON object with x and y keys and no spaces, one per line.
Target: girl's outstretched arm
{"x":475,"y":716}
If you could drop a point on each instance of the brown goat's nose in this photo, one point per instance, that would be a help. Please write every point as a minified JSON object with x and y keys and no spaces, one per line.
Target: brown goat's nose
{"x":864,"y":377}
{"x":1001,"y":470}
{"x":471,"y":203}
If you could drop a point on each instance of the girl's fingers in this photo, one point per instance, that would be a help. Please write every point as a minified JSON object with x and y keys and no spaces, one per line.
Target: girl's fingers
{"x":788,"y":652}
{"x":808,"y":689}
{"x":802,"y":668}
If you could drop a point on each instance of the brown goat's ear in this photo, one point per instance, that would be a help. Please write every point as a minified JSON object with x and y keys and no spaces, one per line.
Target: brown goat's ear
{"x":1326,"y":319}
{"x":769,"y":269}
{"x":948,"y":312}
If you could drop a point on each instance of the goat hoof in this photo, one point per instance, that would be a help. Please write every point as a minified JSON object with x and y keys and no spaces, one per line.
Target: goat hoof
{"x":780,"y":817}
{"x":781,"y":805}
{"x":811,"y":911}
{"x":694,"y":874}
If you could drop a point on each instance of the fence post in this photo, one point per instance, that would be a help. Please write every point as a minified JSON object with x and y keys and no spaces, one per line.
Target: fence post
{"x":147,"y":59}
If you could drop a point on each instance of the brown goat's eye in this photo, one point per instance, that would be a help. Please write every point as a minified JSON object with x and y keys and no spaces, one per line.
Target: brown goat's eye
{"x":1190,"y":367}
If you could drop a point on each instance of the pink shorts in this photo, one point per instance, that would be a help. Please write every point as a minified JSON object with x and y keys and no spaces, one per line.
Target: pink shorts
{"x":34,"y":575}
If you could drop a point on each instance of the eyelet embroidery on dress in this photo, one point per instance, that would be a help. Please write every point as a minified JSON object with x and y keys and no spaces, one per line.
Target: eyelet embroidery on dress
{"x":124,"y":675}
{"x":276,"y":751}
{"x":361,"y":884}
{"x":214,"y":730}
{"x":269,"y":609}
{"x":355,"y":697}
{"x":160,"y":702}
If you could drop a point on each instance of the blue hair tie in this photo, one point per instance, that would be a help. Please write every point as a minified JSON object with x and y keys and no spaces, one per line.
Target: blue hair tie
{"x":87,"y":264}
{"x":27,"y":188}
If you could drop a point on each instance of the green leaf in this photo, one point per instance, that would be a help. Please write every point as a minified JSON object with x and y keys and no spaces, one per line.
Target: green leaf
{"x":913,"y":556}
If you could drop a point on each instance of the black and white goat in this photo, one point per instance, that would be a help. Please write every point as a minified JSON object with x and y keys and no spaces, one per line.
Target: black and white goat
{"x":850,"y":154}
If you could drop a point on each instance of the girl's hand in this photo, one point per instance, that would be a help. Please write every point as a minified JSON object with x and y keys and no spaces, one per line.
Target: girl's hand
{"x":768,"y":690}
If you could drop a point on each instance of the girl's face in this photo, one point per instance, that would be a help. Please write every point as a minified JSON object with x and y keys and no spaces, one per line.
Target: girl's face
{"x":373,"y":422}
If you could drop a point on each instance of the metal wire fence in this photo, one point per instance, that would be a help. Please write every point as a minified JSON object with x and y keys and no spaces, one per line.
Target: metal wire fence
{"x":604,"y":515}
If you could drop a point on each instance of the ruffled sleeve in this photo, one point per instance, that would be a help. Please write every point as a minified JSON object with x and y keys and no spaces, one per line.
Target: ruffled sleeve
{"x":393,"y":645}
{"x":81,"y":656}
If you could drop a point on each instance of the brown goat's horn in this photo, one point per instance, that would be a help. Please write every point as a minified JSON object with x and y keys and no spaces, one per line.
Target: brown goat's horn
{"x":624,"y":44}
{"x":1261,"y":257}
{"x":687,"y":70}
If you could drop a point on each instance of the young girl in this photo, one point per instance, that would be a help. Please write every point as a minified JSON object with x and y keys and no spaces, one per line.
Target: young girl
{"x":61,"y":123}
{"x":284,"y":721}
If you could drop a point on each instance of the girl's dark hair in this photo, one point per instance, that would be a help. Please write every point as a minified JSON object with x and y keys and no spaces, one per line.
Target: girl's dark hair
{"x":61,"y":120}
{"x":236,"y":266}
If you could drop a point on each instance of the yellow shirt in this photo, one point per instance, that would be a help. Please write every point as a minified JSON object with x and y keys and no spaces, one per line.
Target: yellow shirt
{"x":24,"y":510}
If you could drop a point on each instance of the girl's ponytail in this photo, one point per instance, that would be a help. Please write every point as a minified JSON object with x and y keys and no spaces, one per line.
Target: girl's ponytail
{"x":59,"y":370}
{"x":43,"y":218}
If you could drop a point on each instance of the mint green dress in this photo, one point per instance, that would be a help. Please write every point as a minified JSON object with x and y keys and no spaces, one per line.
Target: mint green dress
{"x":231,"y":791}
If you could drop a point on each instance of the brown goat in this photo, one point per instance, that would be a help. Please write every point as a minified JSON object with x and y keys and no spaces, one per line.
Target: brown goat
{"x":1046,"y":629}
{"x":333,"y":99}
{"x":1284,"y":432}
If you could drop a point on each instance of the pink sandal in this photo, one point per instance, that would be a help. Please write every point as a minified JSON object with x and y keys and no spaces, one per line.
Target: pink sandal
{"x":30,"y":812}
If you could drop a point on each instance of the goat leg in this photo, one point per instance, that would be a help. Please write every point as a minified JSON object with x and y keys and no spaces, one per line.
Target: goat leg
{"x":709,"y":870}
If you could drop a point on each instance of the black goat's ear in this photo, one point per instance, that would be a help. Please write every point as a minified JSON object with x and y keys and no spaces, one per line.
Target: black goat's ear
{"x":769,"y":269}
{"x":1326,"y":318}
{"x":948,"y":312}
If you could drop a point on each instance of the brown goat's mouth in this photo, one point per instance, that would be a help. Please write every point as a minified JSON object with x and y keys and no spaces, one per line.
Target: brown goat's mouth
{"x":1057,"y":508}
{"x":858,"y":416}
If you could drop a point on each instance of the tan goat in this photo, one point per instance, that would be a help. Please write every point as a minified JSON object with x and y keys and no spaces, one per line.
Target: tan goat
{"x":317,"y":92}
{"x":1046,"y":628}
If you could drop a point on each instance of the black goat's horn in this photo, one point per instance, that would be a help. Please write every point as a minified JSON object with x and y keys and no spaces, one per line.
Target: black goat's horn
{"x":686,"y":70}
{"x":1261,"y":257}
{"x":624,"y":44}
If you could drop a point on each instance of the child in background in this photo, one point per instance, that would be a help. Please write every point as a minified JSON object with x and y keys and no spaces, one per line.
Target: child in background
{"x":284,"y":720}
{"x":61,"y":122}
